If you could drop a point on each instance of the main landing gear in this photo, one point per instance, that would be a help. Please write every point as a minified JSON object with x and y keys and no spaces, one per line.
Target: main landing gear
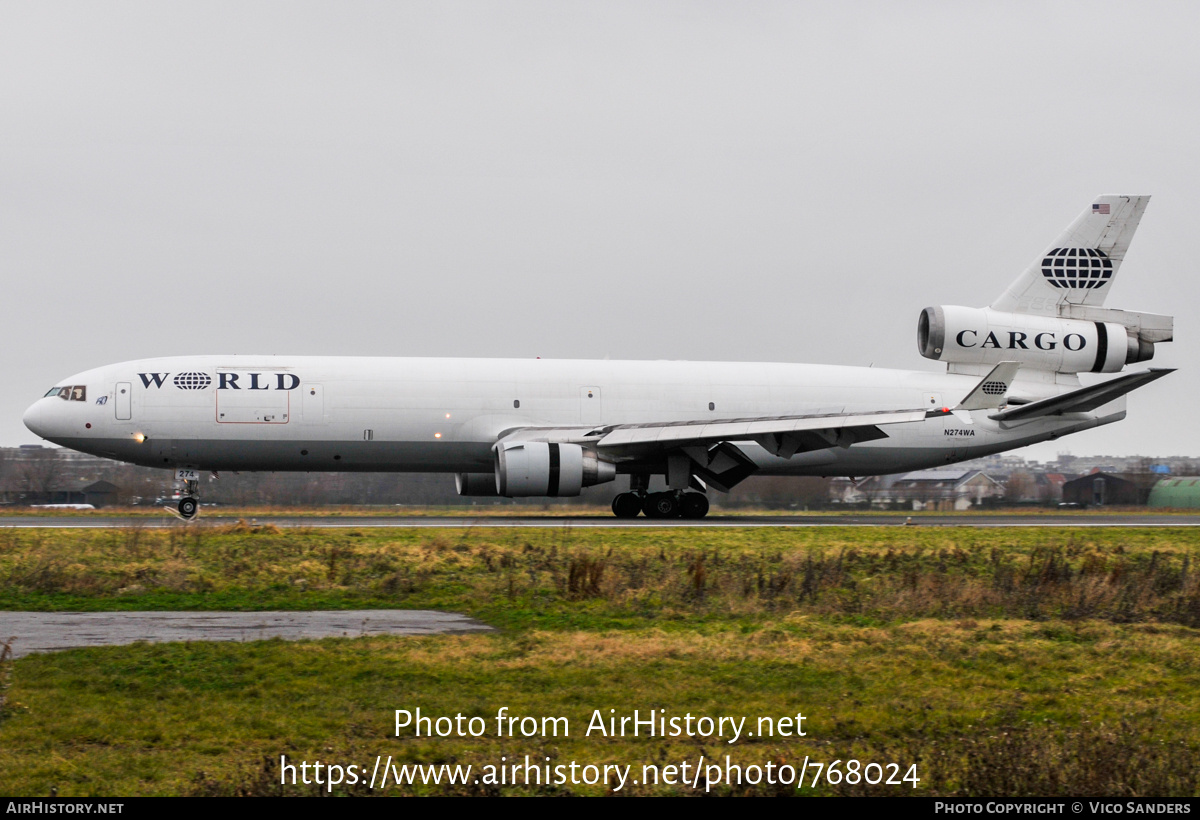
{"x":671,"y":504}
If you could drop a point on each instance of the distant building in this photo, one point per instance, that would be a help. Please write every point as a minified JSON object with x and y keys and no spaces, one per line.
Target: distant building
{"x":1101,"y":489}
{"x":946,"y":489}
{"x":921,"y":490}
{"x":97,"y":493}
{"x":1050,"y":486}
{"x":1182,"y":492}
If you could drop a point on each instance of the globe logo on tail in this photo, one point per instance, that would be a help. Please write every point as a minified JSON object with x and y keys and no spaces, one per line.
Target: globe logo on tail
{"x":1077,"y":268}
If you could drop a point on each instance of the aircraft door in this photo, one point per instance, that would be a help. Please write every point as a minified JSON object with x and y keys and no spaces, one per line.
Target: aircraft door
{"x":313,"y":404}
{"x":589,"y":405}
{"x":123,"y":401}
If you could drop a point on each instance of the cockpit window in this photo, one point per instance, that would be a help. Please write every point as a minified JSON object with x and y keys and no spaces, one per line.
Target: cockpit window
{"x":53,"y":391}
{"x":76,"y":392}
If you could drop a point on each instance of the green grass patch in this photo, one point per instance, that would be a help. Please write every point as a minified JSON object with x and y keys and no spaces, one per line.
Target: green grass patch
{"x":1000,"y":662}
{"x":567,"y":578}
{"x":200,"y":718}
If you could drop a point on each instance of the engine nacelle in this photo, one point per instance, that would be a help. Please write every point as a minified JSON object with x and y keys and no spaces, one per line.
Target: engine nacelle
{"x":962,"y":335}
{"x":476,"y":484}
{"x":532,"y":468}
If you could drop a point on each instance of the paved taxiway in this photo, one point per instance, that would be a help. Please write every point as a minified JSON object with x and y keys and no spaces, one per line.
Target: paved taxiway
{"x":609,"y":522}
{"x":51,"y":631}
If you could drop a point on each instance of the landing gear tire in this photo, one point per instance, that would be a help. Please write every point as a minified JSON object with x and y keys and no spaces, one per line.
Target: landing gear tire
{"x":627,"y":505}
{"x":661,"y":505}
{"x":694,"y":505}
{"x":188,"y":507}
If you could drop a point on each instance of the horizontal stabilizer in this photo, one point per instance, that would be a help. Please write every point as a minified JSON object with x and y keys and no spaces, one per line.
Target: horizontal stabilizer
{"x":992,"y":390}
{"x":1084,"y":400}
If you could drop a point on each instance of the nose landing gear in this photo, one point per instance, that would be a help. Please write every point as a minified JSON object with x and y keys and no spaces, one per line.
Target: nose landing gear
{"x":188,"y":507}
{"x":189,"y":504}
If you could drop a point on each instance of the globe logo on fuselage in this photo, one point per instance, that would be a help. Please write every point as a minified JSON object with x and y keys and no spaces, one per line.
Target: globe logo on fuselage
{"x":192,"y":381}
{"x":1077,"y":268}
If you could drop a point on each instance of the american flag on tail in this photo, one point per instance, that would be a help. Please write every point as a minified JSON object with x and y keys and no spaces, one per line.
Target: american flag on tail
{"x":1101,"y":208}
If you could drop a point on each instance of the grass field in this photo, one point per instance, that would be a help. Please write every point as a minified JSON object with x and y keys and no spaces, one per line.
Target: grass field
{"x":1001,"y":662}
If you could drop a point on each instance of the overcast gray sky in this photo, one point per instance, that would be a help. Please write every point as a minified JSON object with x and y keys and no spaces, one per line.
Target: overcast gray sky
{"x":734,"y":181}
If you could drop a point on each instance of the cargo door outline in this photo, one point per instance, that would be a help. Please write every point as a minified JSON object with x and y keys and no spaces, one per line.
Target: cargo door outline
{"x":246,"y":406}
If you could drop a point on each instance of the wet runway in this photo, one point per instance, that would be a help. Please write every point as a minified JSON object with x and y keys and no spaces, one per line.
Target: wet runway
{"x":1066,"y":519}
{"x":51,"y":631}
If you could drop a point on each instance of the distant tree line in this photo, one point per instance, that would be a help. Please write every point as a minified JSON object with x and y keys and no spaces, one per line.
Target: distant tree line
{"x":26,"y":473}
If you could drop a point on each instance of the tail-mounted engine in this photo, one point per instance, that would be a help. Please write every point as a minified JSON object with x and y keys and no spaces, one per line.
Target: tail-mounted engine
{"x":1090,"y":342}
{"x":538,"y":468}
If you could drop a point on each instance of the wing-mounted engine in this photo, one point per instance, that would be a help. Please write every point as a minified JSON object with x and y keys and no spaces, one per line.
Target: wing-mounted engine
{"x":541,"y":468}
{"x":1081,"y":339}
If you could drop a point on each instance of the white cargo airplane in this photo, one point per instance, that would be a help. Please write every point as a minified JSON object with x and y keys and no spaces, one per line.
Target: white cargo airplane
{"x":516,"y":427}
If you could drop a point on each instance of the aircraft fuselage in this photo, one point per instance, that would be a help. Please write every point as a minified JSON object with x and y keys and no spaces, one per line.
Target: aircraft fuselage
{"x":445,"y":415}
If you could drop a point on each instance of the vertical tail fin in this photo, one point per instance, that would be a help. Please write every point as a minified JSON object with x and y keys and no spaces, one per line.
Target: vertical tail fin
{"x":1080,"y":265}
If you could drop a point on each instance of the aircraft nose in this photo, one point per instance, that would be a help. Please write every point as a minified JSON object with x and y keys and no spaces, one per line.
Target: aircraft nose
{"x":37,"y":419}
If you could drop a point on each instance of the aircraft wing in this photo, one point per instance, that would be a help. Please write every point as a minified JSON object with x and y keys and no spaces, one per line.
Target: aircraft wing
{"x":1083,"y":400}
{"x":704,"y":450}
{"x":787,"y":435}
{"x":790,"y":433}
{"x":781,"y":435}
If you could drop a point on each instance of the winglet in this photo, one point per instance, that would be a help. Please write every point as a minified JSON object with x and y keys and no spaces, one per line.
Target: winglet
{"x":992,"y":390}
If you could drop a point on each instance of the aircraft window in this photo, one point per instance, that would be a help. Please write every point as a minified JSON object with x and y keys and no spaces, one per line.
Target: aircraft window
{"x":53,"y":391}
{"x":76,"y":392}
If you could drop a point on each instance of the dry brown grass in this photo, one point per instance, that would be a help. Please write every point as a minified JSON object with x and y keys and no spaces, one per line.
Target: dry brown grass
{"x":869,"y":575}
